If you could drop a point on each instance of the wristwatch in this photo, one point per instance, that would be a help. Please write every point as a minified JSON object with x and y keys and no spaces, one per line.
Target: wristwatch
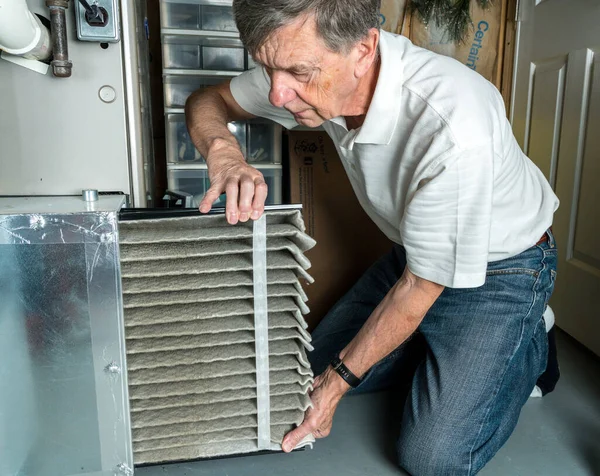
{"x":345,"y":372}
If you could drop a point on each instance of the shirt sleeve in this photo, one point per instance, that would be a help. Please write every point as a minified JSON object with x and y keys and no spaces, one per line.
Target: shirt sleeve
{"x":251,"y":91}
{"x":446,"y":224}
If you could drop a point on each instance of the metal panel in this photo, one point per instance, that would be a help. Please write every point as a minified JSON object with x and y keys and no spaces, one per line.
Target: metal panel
{"x":138,"y":107}
{"x":58,"y":137}
{"x":63,"y":403}
{"x":109,"y":32}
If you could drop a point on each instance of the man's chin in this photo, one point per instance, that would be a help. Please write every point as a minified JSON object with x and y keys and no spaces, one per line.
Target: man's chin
{"x":309,"y":122}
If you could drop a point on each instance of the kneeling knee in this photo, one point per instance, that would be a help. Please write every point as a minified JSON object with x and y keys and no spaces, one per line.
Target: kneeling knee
{"x":434,"y":455}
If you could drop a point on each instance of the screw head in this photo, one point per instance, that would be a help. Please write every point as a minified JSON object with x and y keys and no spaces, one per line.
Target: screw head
{"x":113,"y":368}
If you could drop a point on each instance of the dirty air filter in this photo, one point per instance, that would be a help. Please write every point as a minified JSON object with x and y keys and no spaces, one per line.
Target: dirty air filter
{"x":216,"y":341}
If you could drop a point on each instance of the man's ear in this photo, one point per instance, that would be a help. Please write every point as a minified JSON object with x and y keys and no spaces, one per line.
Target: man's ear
{"x":366,"y":50}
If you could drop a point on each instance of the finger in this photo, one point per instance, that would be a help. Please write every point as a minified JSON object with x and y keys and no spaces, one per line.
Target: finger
{"x":246,"y":194}
{"x":210,"y":197}
{"x":261,"y":191}
{"x":295,"y":436}
{"x":231,"y":207}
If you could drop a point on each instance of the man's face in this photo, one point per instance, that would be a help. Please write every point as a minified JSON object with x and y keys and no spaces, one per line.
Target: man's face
{"x":308,"y":79}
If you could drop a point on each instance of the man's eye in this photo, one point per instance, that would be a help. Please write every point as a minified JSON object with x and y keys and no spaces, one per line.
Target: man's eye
{"x":301,"y":74}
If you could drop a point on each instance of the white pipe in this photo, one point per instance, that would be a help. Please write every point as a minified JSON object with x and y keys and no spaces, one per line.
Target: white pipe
{"x":21,"y":32}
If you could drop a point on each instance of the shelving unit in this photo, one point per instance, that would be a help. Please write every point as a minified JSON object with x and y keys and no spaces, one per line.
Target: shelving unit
{"x":201,"y":48}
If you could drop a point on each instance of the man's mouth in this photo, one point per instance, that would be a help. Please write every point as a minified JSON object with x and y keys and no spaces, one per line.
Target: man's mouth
{"x":300,"y":114}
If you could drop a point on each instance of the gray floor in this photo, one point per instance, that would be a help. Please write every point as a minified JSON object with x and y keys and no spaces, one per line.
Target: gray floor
{"x":556,"y":435}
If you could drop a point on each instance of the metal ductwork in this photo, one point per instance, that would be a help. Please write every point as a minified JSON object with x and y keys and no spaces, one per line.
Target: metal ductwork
{"x":138,"y":339}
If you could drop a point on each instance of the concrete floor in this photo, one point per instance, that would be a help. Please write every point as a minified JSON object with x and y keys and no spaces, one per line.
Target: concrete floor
{"x":556,"y":435}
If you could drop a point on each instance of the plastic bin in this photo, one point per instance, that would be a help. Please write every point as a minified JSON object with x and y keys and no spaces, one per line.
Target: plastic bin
{"x":261,"y":139}
{"x":184,"y":16}
{"x":192,"y":181}
{"x":180,"y":147}
{"x":189,"y":52}
{"x":264,"y":142}
{"x":199,"y":15}
{"x":197,"y":183}
{"x":178,"y":88}
{"x":218,"y":18}
{"x":181,"y":52}
{"x":222,"y":57}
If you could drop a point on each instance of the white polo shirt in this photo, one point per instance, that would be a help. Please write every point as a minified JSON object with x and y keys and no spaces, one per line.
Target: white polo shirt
{"x":435,"y":164}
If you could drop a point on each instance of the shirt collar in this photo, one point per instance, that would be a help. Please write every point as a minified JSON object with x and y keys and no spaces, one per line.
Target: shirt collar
{"x":383,"y":113}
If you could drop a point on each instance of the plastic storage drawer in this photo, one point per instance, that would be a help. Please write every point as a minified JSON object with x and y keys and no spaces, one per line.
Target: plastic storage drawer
{"x":197,"y":183}
{"x":209,"y":15}
{"x":180,"y":147}
{"x":259,"y":141}
{"x":263,"y":142}
{"x":189,"y":52}
{"x":178,"y":88}
{"x":218,"y":18}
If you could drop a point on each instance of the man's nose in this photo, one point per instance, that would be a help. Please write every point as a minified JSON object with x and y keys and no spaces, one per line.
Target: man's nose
{"x":281,"y":93}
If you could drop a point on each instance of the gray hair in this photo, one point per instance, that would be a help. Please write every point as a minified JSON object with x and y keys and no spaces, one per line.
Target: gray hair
{"x":340,"y":23}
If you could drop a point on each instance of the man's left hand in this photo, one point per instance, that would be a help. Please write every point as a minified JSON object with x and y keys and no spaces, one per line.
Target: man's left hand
{"x":329,"y":388}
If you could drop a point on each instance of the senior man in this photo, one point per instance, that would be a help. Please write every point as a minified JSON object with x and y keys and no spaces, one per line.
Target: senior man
{"x":432,"y":159}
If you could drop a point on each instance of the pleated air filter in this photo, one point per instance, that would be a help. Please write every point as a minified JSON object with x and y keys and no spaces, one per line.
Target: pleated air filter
{"x":216,"y":339}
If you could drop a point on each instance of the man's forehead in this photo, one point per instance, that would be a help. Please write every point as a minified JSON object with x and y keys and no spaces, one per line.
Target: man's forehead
{"x":293,"y":46}
{"x":287,"y":62}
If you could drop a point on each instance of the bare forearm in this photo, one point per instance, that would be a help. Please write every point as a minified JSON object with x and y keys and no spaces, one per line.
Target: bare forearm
{"x":392,"y":322}
{"x":207,"y":114}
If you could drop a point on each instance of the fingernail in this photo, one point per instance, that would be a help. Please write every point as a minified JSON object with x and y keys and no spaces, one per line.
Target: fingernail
{"x":255,"y":215}
{"x":244,"y":216}
{"x":286,"y":447}
{"x":232,"y":217}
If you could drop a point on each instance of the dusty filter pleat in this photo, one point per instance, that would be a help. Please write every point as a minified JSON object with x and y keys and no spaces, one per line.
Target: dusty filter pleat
{"x":203,"y":295}
{"x":189,"y":303}
{"x":277,"y":320}
{"x":223,"y":424}
{"x":186,"y":312}
{"x":214,"y":281}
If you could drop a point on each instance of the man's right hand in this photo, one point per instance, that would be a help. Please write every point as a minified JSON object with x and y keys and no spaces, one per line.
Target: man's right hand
{"x":207,"y":113}
{"x":244,"y":186}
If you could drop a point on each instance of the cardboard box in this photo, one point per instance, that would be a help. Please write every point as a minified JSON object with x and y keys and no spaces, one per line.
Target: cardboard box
{"x":391,"y":15}
{"x":479,"y":50}
{"x":348,"y":242}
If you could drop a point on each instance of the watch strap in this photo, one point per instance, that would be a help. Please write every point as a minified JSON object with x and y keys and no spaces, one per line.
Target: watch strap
{"x":345,"y":372}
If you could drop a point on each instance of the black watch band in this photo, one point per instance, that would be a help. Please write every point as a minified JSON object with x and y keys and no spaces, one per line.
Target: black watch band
{"x":345,"y":372}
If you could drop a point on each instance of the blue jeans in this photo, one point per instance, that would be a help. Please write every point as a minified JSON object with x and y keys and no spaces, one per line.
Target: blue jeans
{"x":470,"y":366}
